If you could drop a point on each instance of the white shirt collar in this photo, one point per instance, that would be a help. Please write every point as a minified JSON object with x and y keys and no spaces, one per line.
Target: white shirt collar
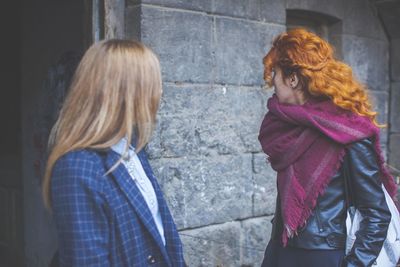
{"x":120,"y":147}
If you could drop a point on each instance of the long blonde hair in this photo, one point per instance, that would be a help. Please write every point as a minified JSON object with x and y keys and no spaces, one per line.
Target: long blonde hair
{"x":115,"y":93}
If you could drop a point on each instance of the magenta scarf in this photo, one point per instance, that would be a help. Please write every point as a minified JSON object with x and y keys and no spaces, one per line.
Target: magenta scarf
{"x":305,"y":145}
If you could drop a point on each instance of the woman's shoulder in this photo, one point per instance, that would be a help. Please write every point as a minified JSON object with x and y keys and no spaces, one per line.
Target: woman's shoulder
{"x":80,"y":157}
{"x":77,"y":177}
{"x":363,"y":154}
{"x":362,"y":146}
{"x":83,"y":164}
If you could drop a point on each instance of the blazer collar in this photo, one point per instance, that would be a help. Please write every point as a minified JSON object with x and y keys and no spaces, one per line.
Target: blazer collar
{"x":169,"y":229}
{"x":128,"y":186}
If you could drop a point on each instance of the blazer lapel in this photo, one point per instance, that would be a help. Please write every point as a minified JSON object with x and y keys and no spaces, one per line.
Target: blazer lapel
{"x":128,"y":186}
{"x":170,"y":231}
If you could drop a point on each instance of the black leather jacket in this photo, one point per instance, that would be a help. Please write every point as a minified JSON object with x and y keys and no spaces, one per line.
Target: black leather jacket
{"x":326,"y":227}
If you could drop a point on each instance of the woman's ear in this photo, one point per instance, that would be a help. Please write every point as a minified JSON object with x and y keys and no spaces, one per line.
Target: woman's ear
{"x":293,"y":80}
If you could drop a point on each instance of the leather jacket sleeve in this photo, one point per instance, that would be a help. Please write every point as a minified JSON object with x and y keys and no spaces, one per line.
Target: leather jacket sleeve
{"x":368,"y":197}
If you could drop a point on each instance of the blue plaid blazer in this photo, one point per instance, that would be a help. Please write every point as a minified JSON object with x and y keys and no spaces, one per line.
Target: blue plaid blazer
{"x":103,"y":220}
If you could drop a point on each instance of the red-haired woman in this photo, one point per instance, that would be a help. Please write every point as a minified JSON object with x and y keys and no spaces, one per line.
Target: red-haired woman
{"x":320,"y":132}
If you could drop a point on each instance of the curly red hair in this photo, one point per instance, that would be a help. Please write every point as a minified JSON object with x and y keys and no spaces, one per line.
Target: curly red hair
{"x":321,"y":75}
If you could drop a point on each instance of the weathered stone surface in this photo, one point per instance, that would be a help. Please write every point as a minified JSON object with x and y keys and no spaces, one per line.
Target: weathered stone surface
{"x":389,"y":14}
{"x":380,"y":101}
{"x":266,"y":10}
{"x":153,"y":148}
{"x":395,"y":59}
{"x":324,"y":7}
{"x":394,"y":151}
{"x":369,"y":60}
{"x":132,"y":2}
{"x":182,"y":40}
{"x":336,"y":42}
{"x":240,"y":48}
{"x":114,"y":19}
{"x":229,"y":244}
{"x":217,"y":245}
{"x":255,"y":236}
{"x":264,"y":197}
{"x":203,"y":5}
{"x":395,"y":108}
{"x":205,"y":190}
{"x":133,"y":22}
{"x":360,"y":19}
{"x":202,"y":120}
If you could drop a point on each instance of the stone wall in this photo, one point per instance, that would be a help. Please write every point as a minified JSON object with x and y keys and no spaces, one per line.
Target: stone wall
{"x":205,"y":150}
{"x":394,"y":140}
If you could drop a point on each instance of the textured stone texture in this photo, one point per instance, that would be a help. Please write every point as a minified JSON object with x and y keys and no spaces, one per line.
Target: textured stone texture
{"x":369,"y":60}
{"x":240,"y":47}
{"x":183,"y":44}
{"x":114,"y":19}
{"x":203,"y":5}
{"x":229,"y":244}
{"x":389,"y":14}
{"x":265,"y":10}
{"x":217,"y":245}
{"x":394,"y":151}
{"x":395,"y":59}
{"x":380,"y":101}
{"x":324,"y":7}
{"x":255,"y":236}
{"x":264,"y":197}
{"x":132,"y":22}
{"x":205,"y":190}
{"x":202,"y":120}
{"x":360,"y":19}
{"x":395,"y":107}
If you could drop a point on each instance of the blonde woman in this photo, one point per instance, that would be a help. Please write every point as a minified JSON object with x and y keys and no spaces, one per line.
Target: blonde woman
{"x":107,"y":205}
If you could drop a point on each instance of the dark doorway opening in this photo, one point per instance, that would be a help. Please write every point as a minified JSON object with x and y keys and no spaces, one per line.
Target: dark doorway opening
{"x":11,"y":211}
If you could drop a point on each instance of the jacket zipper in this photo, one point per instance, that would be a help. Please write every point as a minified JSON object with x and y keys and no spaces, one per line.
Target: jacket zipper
{"x":319,"y":223}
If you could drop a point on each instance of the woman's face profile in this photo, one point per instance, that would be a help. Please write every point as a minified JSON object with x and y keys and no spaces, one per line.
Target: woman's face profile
{"x":288,"y":90}
{"x":282,"y":89}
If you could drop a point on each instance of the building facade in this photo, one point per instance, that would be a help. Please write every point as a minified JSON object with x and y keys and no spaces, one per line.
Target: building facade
{"x":205,"y":150}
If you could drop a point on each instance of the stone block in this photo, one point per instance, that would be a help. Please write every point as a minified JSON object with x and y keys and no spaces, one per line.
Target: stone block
{"x":264,"y":198}
{"x":369,"y":59}
{"x":133,"y":2}
{"x":182,"y":41}
{"x":266,"y":11}
{"x":336,"y":41}
{"x":153,"y":148}
{"x":216,"y":245}
{"x":202,"y":120}
{"x":202,"y":5}
{"x":395,"y":108}
{"x":206,"y":190}
{"x":334,"y":9}
{"x":255,"y":236}
{"x":229,"y":244}
{"x":395,"y":59}
{"x":380,"y":102}
{"x":133,"y":22}
{"x":394,"y":151}
{"x":360,"y":19}
{"x":389,"y":14}
{"x":240,"y":48}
